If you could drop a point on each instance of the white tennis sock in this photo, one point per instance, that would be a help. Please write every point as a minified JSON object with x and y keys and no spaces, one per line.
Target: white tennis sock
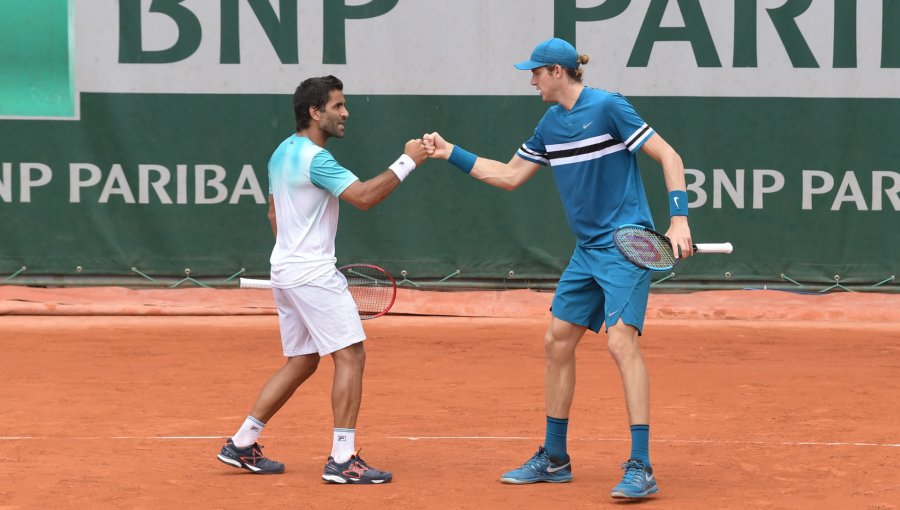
{"x":248,"y":433}
{"x":343,"y":446}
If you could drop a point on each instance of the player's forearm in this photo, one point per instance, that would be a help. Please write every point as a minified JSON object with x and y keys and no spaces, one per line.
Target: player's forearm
{"x":673,"y":171}
{"x":496,"y":174}
{"x":375,"y":190}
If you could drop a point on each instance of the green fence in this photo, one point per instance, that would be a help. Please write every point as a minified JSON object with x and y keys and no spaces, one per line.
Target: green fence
{"x":161,"y":183}
{"x":170,"y":187}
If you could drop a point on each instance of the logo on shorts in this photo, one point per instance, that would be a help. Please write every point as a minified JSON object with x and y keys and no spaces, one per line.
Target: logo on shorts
{"x":613,"y":313}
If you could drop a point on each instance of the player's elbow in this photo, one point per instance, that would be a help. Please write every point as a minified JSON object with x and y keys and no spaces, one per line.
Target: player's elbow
{"x":364,"y":202}
{"x":671,"y":159}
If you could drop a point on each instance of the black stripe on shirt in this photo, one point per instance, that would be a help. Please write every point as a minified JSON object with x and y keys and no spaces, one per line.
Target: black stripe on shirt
{"x":587,"y":149}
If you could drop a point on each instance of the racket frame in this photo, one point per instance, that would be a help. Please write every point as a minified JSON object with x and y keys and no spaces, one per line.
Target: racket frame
{"x":387,"y":276}
{"x":252,"y":283}
{"x":698,"y":248}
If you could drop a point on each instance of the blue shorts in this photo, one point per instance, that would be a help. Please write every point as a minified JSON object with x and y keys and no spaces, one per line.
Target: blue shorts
{"x":599,"y":286}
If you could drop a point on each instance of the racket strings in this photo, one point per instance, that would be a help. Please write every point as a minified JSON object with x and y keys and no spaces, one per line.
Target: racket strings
{"x":372,"y":290}
{"x":645,"y":249}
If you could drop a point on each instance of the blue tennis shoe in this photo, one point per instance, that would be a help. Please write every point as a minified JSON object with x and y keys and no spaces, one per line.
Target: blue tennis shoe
{"x":638,"y":481}
{"x":541,"y":468}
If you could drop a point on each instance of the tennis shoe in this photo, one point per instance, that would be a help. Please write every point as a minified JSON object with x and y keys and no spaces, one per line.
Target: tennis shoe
{"x":355,"y":470}
{"x":541,"y":468}
{"x":249,"y":458}
{"x":638,"y":481}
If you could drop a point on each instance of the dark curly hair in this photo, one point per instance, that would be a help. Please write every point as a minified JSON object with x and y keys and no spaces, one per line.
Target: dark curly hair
{"x":313,"y":92}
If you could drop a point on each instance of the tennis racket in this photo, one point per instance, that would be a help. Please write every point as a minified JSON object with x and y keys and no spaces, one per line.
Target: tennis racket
{"x":648,"y":249}
{"x":373,"y":289}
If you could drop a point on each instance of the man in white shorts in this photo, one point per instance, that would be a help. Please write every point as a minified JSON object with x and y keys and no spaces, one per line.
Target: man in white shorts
{"x":316,"y":313}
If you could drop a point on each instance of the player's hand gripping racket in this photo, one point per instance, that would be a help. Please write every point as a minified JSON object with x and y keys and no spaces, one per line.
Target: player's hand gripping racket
{"x":648,"y":249}
{"x":373,"y":289}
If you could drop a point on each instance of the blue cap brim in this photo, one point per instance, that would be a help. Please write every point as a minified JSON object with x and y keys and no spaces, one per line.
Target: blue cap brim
{"x":528,"y":65}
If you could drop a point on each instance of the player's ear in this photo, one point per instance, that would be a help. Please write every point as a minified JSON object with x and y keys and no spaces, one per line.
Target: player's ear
{"x":314,"y":113}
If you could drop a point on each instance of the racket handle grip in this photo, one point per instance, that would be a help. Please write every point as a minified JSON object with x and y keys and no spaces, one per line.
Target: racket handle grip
{"x":249,"y":283}
{"x":714,"y":248}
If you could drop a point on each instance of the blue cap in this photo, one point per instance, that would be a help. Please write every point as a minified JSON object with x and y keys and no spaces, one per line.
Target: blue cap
{"x":550,"y":52}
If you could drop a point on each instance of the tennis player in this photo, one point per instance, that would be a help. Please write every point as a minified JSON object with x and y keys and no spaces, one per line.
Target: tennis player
{"x":589,"y":138}
{"x":316,"y":312}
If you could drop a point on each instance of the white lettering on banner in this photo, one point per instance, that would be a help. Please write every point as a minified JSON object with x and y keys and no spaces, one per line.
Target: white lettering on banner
{"x":815,"y":182}
{"x":76,"y":182}
{"x":45,"y":175}
{"x":158,"y":185}
{"x":116,"y":184}
{"x":733,"y":188}
{"x":6,"y":182}
{"x":893,"y":193}
{"x":154,"y":184}
{"x":201,"y":183}
{"x":718,"y":48}
{"x":885,"y":183}
{"x":246,"y":185}
{"x":760,"y":188}
{"x":214,"y":184}
{"x":818,"y":182}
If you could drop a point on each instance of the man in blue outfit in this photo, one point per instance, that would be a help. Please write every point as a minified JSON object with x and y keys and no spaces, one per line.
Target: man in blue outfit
{"x":590,"y":139}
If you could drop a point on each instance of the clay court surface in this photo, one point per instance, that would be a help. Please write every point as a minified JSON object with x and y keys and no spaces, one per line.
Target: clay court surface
{"x":117,"y":398}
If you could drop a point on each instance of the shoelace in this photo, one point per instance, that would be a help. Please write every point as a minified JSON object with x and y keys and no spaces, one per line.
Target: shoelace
{"x":538,"y":458}
{"x":634,"y":471}
{"x":255,"y":453}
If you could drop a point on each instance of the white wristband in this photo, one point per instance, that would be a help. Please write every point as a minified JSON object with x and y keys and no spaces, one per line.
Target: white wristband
{"x":403,"y":166}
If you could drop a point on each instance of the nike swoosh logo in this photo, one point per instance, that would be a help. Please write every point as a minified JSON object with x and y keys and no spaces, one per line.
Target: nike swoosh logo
{"x":585,"y":126}
{"x":613,"y":313}
{"x":554,"y":469}
{"x":676,"y":201}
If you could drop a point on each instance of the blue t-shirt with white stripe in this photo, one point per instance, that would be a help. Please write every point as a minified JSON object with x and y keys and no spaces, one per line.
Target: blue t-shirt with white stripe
{"x":592,"y":150}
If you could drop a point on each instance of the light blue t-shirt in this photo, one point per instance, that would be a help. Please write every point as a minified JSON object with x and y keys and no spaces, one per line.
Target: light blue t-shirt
{"x":305,"y":181}
{"x":592,"y":151}
{"x":322,"y":170}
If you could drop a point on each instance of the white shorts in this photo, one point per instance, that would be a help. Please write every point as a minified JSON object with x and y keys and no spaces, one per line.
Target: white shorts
{"x":318,"y":317}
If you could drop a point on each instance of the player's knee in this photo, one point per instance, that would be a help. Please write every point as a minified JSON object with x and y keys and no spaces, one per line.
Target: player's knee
{"x":353,"y":356}
{"x":622,"y":345}
{"x":556,"y":345}
{"x":302,"y":367}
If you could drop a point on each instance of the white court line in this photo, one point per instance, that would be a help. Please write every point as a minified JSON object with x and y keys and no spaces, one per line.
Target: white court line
{"x":691,"y":441}
{"x":474,"y":438}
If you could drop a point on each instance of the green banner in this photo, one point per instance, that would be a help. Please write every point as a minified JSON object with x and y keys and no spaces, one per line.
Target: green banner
{"x":162,"y":183}
{"x":134,"y":135}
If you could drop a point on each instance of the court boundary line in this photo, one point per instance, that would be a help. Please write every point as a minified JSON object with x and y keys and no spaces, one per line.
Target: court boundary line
{"x":471,"y":438}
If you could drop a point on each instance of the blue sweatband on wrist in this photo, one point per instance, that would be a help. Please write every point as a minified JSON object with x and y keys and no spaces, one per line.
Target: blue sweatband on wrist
{"x":462,"y":159}
{"x":678,"y":203}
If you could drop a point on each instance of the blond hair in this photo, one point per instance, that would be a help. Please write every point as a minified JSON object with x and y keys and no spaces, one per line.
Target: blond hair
{"x":573,"y":74}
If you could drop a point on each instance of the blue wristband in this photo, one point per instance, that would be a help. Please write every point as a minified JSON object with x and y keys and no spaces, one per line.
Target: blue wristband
{"x":462,"y":159}
{"x":678,"y":203}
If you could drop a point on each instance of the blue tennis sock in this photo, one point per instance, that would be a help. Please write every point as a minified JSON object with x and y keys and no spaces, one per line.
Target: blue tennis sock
{"x":555,"y":439}
{"x":640,"y":443}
